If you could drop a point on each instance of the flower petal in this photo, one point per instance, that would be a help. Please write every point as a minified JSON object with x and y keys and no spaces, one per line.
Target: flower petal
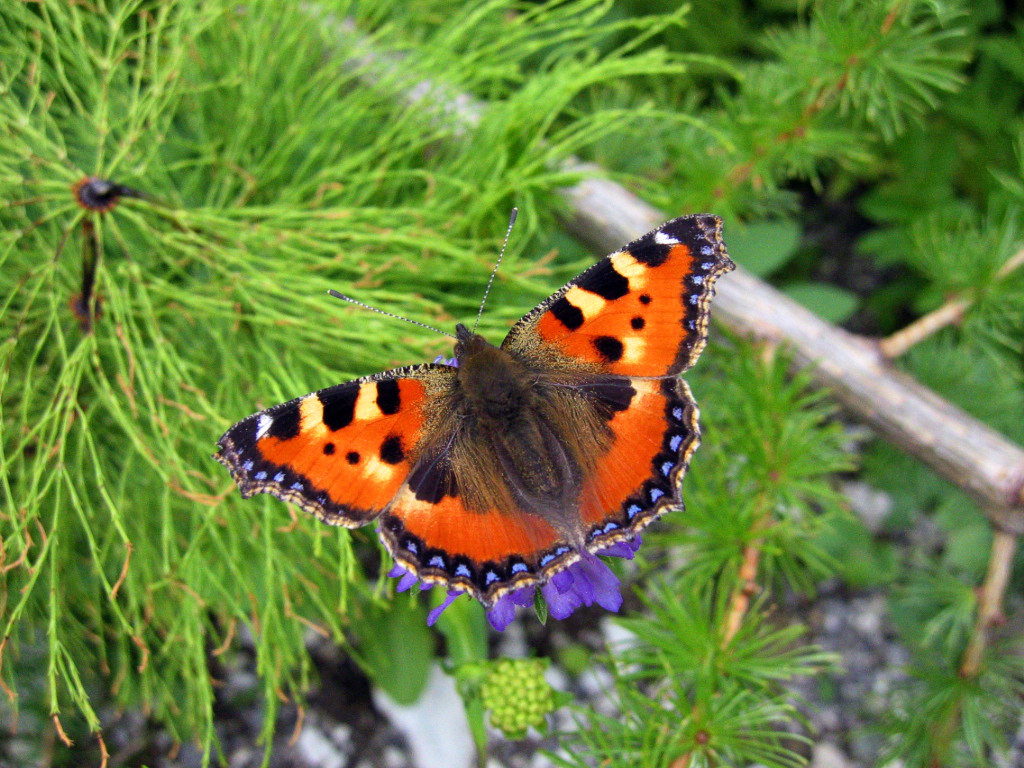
{"x":435,"y":614}
{"x":624,"y":549}
{"x":405,"y":578}
{"x":562,"y":581}
{"x":524,"y":596}
{"x":500,"y":615}
{"x":604,"y":584}
{"x":560,"y":604}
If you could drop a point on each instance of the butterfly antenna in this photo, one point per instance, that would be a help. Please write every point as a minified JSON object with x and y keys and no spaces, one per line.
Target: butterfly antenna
{"x":490,"y":281}
{"x":350,"y":300}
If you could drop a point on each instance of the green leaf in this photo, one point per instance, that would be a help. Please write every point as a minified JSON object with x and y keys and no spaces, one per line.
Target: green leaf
{"x":828,"y":302}
{"x":397,"y":649}
{"x":464,"y":626}
{"x":764,"y":246}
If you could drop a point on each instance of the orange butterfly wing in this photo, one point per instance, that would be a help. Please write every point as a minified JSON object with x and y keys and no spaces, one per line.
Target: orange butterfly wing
{"x":642,"y":311}
{"x":485,"y":553}
{"x":640,"y":476}
{"x":341,"y":453}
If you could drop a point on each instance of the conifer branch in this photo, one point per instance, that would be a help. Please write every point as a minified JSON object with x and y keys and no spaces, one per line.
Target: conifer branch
{"x":990,"y":601}
{"x":900,"y":342}
{"x":952,"y":312}
{"x":989,"y":615}
{"x":746,"y":585}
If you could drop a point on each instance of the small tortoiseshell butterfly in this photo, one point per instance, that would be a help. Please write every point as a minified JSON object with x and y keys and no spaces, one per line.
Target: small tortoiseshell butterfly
{"x":499,"y":473}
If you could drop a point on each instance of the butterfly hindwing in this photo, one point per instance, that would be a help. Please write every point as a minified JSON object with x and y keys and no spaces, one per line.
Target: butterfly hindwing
{"x":341,"y":453}
{"x":641,"y":311}
{"x":485,"y":553}
{"x":638,"y":478}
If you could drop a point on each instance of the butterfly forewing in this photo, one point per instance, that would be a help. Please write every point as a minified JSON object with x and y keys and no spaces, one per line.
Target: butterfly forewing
{"x":641,"y":311}
{"x":341,"y":453}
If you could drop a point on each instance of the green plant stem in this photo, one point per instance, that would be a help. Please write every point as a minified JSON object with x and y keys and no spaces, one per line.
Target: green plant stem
{"x":950,"y":313}
{"x":990,"y":601}
{"x":745,"y":588}
{"x":989,"y":614}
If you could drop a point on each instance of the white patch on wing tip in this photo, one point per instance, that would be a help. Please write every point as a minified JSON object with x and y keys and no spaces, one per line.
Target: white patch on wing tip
{"x":263,"y":425}
{"x":663,"y":238}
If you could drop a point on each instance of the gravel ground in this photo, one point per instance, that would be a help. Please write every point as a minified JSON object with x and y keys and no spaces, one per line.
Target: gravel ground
{"x":348,"y":725}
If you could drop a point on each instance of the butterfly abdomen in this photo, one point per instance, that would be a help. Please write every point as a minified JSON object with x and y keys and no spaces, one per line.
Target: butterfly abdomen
{"x":526,"y":439}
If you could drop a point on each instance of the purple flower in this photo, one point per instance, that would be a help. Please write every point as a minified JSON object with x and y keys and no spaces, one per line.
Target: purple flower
{"x":623,"y":549}
{"x":405,"y":579}
{"x":442,"y":360}
{"x":435,"y":614}
{"x":500,"y":614}
{"x":586,"y":582}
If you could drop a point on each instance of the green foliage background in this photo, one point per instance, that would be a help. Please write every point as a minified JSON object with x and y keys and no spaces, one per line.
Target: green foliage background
{"x":285,"y":157}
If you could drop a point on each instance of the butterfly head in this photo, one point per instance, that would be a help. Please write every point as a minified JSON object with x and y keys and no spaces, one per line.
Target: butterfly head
{"x":474,"y":351}
{"x":467,"y":343}
{"x":494,"y":382}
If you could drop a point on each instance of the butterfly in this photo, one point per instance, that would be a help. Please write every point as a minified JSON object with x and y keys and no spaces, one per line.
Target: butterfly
{"x":498,"y":473}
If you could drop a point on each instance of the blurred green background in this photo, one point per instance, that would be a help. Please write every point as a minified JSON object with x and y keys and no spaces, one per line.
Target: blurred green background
{"x":866,"y":157}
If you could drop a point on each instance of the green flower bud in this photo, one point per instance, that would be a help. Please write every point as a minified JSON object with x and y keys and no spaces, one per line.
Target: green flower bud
{"x":517,"y":695}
